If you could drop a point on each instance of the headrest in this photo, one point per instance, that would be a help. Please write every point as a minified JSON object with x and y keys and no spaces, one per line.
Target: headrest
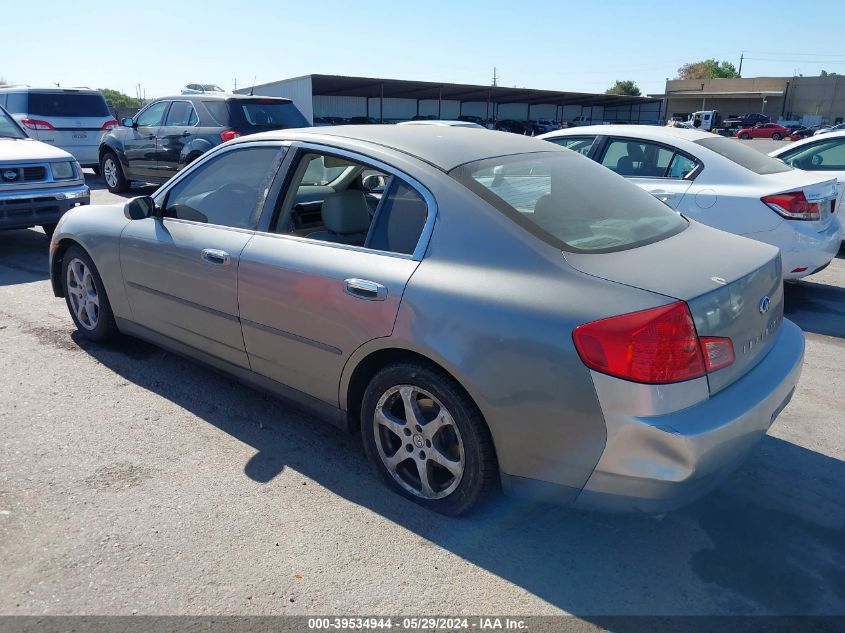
{"x":346,"y":212}
{"x":635,"y":151}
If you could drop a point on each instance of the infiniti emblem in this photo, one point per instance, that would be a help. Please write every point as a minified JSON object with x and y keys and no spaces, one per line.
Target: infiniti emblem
{"x":10,"y":174}
{"x":765,"y":303}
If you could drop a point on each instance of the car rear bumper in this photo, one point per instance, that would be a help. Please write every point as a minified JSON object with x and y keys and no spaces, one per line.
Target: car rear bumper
{"x":658,"y":463}
{"x":22,"y":209}
{"x":802,"y":246}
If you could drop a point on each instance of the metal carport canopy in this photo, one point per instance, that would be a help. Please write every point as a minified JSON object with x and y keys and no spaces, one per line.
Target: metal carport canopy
{"x":338,"y":86}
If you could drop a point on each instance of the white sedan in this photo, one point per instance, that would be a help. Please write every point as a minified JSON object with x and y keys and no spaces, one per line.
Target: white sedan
{"x":723,"y":183}
{"x":824,"y":156}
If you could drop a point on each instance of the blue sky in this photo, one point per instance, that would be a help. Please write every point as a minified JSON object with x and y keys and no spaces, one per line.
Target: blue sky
{"x":583,"y":46}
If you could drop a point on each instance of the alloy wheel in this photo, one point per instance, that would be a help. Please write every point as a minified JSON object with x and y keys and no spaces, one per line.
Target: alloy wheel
{"x":418,"y":442}
{"x":110,"y":172}
{"x":82,"y":294}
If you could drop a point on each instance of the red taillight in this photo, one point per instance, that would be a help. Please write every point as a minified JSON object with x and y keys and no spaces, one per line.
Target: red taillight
{"x":793,"y":206}
{"x":718,"y":352}
{"x":37,"y":124}
{"x":228,"y":135}
{"x":654,"y":346}
{"x":109,"y":125}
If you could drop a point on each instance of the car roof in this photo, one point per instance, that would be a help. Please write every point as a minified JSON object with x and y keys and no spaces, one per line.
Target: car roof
{"x":651,"y":132}
{"x":444,"y":147}
{"x":807,"y":141}
{"x":48,"y":89}
{"x":219,"y":96}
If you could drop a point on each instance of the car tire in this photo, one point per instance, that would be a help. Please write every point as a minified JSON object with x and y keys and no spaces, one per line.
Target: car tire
{"x":445,"y":440}
{"x":776,"y":136}
{"x":48,"y":229}
{"x":745,"y":136}
{"x":113,"y":173}
{"x":86,"y":297}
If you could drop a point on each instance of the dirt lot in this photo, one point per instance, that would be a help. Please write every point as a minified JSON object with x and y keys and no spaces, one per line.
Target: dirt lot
{"x":133,"y":481}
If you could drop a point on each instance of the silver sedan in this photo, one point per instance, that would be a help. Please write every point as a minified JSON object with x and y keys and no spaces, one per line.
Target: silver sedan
{"x":489,"y":310}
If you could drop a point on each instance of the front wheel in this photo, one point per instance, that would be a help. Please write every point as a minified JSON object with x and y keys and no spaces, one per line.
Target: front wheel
{"x":427,"y":438}
{"x":776,"y":136}
{"x":745,"y":136}
{"x":113,"y":173}
{"x":86,"y":296}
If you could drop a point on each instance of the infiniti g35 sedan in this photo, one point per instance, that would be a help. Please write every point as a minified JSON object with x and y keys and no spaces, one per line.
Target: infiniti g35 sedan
{"x":486,"y":309}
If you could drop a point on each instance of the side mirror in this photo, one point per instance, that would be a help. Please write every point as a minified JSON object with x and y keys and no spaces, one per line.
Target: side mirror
{"x":374,"y":183}
{"x":139,"y":208}
{"x":127,"y":122}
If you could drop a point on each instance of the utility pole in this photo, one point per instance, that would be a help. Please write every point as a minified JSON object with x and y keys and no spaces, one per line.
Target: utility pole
{"x":495,"y":79}
{"x":235,"y":79}
{"x":741,"y":57}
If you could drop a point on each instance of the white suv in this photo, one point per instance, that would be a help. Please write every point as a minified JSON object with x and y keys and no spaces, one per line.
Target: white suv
{"x":72,"y":119}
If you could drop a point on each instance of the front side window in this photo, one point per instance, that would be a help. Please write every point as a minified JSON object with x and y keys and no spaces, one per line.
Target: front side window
{"x":580,"y":144}
{"x":743,"y":155}
{"x":570,"y":203}
{"x":181,"y":113}
{"x":822,"y":156}
{"x":338,"y":200}
{"x":226,"y":190}
{"x":152,"y":116}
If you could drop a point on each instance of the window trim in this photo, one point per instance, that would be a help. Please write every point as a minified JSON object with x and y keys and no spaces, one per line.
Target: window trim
{"x":167,"y":114}
{"x":690,"y":177}
{"x":301,"y":148}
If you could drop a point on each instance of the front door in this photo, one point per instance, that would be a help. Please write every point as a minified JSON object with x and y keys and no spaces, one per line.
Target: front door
{"x":140,"y":145}
{"x":181,"y":269}
{"x":322,"y":282}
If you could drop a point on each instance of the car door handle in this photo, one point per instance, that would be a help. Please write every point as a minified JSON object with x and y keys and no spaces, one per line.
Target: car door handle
{"x":151,"y":136}
{"x":216,"y":257}
{"x":186,"y":133}
{"x":365,"y":289}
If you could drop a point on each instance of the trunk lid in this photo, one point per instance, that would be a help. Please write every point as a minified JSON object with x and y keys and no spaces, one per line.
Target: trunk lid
{"x":733,"y":287}
{"x":820,"y":190}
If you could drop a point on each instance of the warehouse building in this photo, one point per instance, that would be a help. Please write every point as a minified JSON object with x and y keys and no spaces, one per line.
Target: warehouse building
{"x":391,"y":100}
{"x":810,"y":100}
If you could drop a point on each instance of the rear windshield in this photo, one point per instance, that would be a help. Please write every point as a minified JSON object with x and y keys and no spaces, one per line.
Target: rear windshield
{"x":261,"y":113}
{"x":570,"y":201}
{"x":67,"y":104}
{"x":744,"y":156}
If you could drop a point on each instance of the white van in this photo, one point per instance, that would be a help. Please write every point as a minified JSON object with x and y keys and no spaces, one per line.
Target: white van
{"x":72,"y":119}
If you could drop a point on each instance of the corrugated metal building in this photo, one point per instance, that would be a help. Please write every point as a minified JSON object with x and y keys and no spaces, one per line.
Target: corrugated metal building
{"x":399,"y":100}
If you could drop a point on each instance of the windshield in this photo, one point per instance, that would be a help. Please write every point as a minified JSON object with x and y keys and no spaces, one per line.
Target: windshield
{"x":570,"y":201}
{"x":9,"y":127}
{"x":267,"y":113}
{"x":57,"y":104}
{"x":743,"y":155}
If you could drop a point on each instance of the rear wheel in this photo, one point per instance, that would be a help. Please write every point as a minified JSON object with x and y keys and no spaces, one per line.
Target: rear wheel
{"x":113,"y":173}
{"x":427,"y":438}
{"x":86,"y":296}
{"x":776,"y":136}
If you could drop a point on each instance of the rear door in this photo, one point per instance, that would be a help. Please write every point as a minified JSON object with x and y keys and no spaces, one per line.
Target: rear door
{"x":70,"y":119}
{"x":309,"y":296}
{"x":179,"y":129}
{"x":140,"y":143}
{"x":662,"y":170}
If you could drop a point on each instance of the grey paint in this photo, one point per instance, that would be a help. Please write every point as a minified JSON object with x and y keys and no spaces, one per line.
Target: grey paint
{"x":491,"y":304}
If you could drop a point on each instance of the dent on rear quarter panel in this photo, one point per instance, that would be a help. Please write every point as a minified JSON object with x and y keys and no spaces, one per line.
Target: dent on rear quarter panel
{"x":496,"y":307}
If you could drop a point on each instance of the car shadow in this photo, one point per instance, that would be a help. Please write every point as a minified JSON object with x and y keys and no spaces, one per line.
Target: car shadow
{"x":96,"y":183}
{"x":769,"y":540}
{"x":816,"y":307}
{"x":23,"y":256}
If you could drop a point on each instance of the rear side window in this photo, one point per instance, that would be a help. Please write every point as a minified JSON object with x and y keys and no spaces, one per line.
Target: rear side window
{"x":641,"y":159}
{"x":68,"y":104}
{"x":580,"y":144}
{"x":743,"y":155}
{"x":571,"y":203}
{"x":218,"y":111}
{"x":181,"y":113}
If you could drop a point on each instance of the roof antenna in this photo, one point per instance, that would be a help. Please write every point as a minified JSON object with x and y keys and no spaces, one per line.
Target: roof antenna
{"x":251,"y":90}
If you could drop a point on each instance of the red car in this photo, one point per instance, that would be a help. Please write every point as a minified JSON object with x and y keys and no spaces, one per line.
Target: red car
{"x":764,"y":130}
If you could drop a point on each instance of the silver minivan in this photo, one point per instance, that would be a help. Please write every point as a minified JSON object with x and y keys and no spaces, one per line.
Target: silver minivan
{"x":72,"y":119}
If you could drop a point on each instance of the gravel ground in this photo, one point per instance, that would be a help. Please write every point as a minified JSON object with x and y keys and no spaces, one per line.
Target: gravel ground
{"x":134,"y":481}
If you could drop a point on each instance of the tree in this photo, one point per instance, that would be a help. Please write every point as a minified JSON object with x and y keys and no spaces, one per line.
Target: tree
{"x":119,"y":101}
{"x":708,"y":69}
{"x":626,"y":87}
{"x":824,"y":73}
